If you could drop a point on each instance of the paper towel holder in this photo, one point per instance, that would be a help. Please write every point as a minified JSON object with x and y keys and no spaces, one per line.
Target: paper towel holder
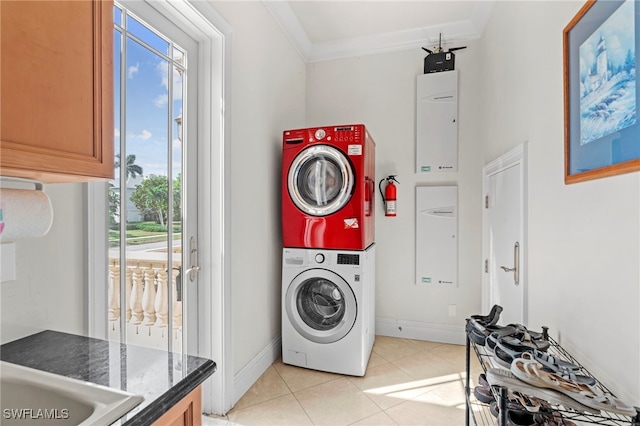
{"x":24,"y":212}
{"x":39,"y":186}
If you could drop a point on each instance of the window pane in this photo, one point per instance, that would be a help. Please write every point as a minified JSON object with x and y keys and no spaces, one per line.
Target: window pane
{"x":117,"y":16}
{"x":178,"y":56}
{"x":143,"y":33}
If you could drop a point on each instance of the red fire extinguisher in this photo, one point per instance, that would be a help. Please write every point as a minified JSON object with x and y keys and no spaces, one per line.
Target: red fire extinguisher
{"x":389,"y":195}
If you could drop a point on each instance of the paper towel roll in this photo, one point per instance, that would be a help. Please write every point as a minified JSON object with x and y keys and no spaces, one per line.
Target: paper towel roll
{"x":24,"y":213}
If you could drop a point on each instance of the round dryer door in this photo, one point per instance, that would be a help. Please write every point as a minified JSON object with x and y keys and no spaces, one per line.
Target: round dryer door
{"x":321,"y":306}
{"x":320,"y":180}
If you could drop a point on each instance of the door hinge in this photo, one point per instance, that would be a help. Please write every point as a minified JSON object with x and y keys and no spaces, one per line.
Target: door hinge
{"x":486,"y":265}
{"x":486,"y":201}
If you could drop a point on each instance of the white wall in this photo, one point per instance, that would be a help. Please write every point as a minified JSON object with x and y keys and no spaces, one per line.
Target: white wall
{"x":49,"y":292}
{"x":268,"y":92}
{"x":584,"y":276}
{"x":379,"y":91}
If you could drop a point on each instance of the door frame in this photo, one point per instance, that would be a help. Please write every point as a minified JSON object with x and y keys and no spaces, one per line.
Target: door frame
{"x":203,"y":23}
{"x":515,"y":156}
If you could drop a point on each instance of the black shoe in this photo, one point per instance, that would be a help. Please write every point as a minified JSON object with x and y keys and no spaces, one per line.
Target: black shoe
{"x":490,"y":319}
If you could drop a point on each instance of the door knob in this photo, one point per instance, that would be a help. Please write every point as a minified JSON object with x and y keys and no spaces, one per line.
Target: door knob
{"x":516,"y":264}
{"x":192,"y":269}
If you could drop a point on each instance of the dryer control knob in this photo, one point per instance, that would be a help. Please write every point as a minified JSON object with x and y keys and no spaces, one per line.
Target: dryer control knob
{"x":319,"y":258}
{"x":320,"y":134}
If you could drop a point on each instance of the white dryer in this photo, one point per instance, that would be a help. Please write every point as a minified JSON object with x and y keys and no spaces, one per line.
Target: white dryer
{"x":328,"y":309}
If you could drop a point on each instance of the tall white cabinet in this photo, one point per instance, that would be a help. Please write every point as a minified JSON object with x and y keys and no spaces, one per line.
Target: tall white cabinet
{"x":437,"y":235}
{"x":437,"y":122}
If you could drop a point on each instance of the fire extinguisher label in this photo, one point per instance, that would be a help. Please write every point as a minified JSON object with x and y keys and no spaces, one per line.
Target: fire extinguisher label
{"x":391,"y":207}
{"x":354,"y":150}
{"x":351,"y":223}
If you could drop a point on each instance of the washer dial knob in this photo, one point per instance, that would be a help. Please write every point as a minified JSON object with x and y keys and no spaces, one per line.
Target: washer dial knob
{"x":319,"y":258}
{"x":320,"y":134}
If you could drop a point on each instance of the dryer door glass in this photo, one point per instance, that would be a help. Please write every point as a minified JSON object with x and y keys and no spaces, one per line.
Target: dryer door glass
{"x":321,"y":304}
{"x":320,"y":180}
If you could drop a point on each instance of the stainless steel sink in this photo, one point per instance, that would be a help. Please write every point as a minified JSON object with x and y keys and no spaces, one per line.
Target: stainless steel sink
{"x":34,"y":397}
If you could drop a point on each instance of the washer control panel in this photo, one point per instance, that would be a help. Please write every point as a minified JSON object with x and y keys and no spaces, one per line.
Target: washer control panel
{"x":352,"y":134}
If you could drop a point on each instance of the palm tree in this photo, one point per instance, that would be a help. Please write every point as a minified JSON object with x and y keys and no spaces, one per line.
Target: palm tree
{"x":133,"y":170}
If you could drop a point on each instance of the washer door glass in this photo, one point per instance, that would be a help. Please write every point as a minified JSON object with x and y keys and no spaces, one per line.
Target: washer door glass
{"x":320,"y":303}
{"x":320,"y":180}
{"x":321,"y":306}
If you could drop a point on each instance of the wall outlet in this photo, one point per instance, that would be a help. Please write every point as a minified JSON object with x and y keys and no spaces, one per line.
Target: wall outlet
{"x":452,"y":310}
{"x":7,"y":262}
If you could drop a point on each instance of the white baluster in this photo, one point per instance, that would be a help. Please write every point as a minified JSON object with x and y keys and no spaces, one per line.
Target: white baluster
{"x":137,"y":277}
{"x":177,"y":306}
{"x":162,"y":299}
{"x":149,"y":297}
{"x":128,"y":283}
{"x":113,"y":311}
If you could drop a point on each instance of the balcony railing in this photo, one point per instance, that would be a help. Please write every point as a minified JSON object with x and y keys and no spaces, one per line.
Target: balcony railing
{"x":147,"y":279}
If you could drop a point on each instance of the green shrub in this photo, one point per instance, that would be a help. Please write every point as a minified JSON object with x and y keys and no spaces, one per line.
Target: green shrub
{"x":152,"y":227}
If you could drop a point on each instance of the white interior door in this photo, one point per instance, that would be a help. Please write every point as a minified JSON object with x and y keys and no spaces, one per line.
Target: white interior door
{"x":504,"y":236}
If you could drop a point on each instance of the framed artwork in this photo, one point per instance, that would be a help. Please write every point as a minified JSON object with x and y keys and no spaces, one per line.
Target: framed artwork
{"x":601,"y":95}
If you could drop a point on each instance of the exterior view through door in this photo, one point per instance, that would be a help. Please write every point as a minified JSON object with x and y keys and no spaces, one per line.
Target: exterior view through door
{"x":152,"y":215}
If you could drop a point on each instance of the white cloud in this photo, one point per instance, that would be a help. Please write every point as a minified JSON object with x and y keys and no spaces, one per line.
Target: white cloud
{"x":144,"y":135}
{"x":163,"y":70}
{"x":161,"y":100}
{"x":116,"y":133}
{"x":133,"y":70}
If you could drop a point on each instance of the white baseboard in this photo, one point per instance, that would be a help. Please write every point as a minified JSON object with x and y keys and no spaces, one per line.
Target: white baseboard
{"x":250,"y":373}
{"x":442,"y":333}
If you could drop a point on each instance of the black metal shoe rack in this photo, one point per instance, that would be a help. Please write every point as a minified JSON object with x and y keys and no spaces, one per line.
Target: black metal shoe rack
{"x":481,"y":415}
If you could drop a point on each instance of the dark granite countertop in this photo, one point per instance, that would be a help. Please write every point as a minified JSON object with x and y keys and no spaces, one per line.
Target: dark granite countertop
{"x":162,"y":378}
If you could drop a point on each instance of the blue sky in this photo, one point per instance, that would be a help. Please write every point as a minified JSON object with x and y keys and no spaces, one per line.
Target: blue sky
{"x":147,"y":108}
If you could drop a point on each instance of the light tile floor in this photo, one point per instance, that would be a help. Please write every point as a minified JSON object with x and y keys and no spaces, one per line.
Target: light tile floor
{"x":408,"y":382}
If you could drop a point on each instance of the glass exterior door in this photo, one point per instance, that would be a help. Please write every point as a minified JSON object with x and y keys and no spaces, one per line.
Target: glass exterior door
{"x":152,"y":215}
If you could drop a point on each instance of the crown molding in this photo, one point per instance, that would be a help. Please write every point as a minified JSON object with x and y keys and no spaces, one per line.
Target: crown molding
{"x":456,"y":32}
{"x":288,"y":21}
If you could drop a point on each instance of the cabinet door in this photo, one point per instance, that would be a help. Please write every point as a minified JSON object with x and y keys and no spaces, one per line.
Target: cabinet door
{"x":187,"y":412}
{"x":437,"y":122}
{"x":56,"y":89}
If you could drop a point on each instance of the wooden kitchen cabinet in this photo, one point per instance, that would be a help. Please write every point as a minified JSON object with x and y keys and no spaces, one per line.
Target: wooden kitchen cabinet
{"x":187,"y":412}
{"x":56,"y":97}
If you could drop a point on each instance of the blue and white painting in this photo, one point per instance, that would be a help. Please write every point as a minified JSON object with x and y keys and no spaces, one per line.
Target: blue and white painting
{"x":608,"y":76}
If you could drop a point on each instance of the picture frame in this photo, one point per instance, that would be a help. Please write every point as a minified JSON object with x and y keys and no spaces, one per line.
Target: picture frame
{"x":601,"y":94}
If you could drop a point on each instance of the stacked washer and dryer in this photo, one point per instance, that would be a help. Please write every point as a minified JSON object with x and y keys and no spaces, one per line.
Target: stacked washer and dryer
{"x":328,"y":265}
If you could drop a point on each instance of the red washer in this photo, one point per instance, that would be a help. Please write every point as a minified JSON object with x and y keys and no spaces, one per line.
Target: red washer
{"x":328,"y":185}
